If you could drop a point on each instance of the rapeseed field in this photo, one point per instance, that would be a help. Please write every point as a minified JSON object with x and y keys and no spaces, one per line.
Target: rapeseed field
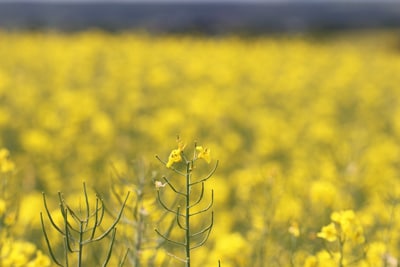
{"x":305,"y":131}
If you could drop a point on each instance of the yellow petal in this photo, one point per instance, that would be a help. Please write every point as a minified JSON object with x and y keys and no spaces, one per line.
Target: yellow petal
{"x":175,"y":156}
{"x":204,"y":153}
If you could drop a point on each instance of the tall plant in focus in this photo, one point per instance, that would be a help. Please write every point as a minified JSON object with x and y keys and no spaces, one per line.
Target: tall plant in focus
{"x":191,"y":194}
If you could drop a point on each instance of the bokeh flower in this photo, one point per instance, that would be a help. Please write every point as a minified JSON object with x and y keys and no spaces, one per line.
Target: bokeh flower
{"x":294,"y":229}
{"x":6,"y":165}
{"x":328,"y":232}
{"x":3,"y":207}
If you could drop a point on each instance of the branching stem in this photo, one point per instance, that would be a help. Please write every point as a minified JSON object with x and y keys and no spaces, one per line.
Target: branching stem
{"x":186,"y":196}
{"x":77,"y":237}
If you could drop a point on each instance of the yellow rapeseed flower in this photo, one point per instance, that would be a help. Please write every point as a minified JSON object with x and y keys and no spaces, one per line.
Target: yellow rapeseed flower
{"x":349,"y":225}
{"x":6,"y":165}
{"x":4,"y":153}
{"x":311,"y":261}
{"x":329,"y":232}
{"x":41,"y":260}
{"x":175,"y":155}
{"x":203,"y":153}
{"x":343,"y":217}
{"x":3,"y":207}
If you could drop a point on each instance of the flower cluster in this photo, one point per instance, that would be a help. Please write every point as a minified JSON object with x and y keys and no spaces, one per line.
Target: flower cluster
{"x":14,"y":252}
{"x":346,"y":230}
{"x":176,"y":154}
{"x":345,"y":226}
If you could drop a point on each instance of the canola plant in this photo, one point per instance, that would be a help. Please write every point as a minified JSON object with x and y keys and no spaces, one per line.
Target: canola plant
{"x":306,"y":130}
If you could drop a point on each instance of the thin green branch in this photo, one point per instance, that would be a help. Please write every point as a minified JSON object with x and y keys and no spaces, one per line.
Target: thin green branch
{"x":113,"y":225}
{"x":200,"y":196}
{"x":206,"y":228}
{"x":169,"y":230}
{"x":63,"y":209}
{"x":77,"y":219}
{"x":87,"y":202}
{"x":110,"y":248}
{"x":172,"y":168}
{"x":68,"y":236}
{"x":203,"y":241}
{"x":102,"y":208}
{"x":49,"y":215}
{"x":178,"y":221}
{"x":65,"y":252}
{"x":176,"y":257}
{"x":165,"y":206}
{"x":95,"y":224}
{"x":206,"y":208}
{"x":170,"y":240}
{"x":208,"y":176}
{"x":122,"y":262}
{"x":173,"y":188}
{"x":48,"y":242}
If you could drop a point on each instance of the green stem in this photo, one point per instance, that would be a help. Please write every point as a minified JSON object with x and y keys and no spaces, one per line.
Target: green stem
{"x":341,"y":247}
{"x":138,"y":242}
{"x":140,"y":227}
{"x":187,"y":215}
{"x":80,"y":244}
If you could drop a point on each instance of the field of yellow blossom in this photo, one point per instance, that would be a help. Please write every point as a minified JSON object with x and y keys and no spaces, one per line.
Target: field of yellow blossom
{"x":306,"y":130}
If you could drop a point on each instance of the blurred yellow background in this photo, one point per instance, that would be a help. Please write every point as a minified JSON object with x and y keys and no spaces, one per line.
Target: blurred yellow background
{"x":302,"y":126}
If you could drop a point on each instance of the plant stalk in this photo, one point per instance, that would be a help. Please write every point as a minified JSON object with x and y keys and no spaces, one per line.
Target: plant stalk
{"x":187,"y":215}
